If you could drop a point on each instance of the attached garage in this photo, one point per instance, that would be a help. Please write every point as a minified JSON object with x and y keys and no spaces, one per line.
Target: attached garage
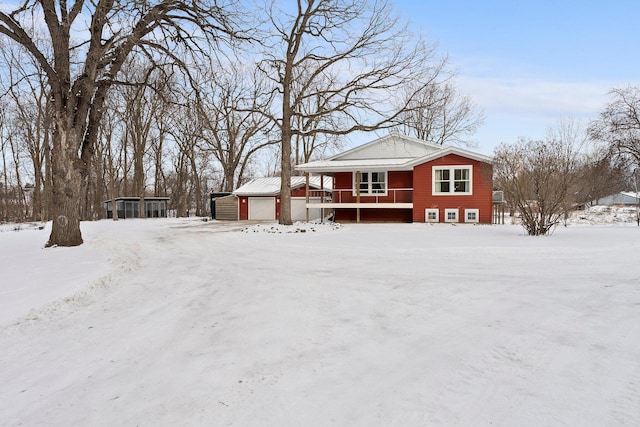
{"x":259,"y":200}
{"x":262,"y":208}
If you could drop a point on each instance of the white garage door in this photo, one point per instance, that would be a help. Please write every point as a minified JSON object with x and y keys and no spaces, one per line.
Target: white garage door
{"x":262,"y":208}
{"x":299,"y":210}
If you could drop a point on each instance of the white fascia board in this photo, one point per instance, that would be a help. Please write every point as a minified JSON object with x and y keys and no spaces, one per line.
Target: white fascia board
{"x":355,"y":165}
{"x":451,"y":150}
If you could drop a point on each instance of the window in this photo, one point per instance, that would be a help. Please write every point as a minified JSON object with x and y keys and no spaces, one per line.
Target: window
{"x":452,"y":180}
{"x":371,"y":183}
{"x":471,"y":215}
{"x":451,"y":215}
{"x":431,"y":215}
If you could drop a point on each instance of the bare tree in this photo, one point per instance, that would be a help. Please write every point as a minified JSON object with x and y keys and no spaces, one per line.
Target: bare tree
{"x":349,"y":58}
{"x":438,"y":113}
{"x":186,"y":132}
{"x":619,"y":123}
{"x":538,"y":177}
{"x":32,"y":119}
{"x":232,"y":129}
{"x":140,"y":105}
{"x":600,"y":174}
{"x":81,"y":72}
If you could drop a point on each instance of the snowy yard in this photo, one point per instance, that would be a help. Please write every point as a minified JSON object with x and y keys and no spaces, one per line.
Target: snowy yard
{"x":183,"y":322}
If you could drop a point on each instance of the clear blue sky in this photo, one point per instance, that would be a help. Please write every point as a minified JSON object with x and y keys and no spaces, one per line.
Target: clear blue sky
{"x":527,"y":64}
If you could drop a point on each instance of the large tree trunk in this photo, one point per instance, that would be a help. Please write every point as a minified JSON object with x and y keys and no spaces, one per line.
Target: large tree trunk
{"x":67,"y":182}
{"x":285,"y":165}
{"x":285,"y":179}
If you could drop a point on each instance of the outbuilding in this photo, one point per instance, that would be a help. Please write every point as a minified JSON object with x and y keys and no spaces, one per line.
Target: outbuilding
{"x":129,"y":207}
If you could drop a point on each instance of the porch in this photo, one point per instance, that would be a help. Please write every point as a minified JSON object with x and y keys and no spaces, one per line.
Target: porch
{"x":348,"y":198}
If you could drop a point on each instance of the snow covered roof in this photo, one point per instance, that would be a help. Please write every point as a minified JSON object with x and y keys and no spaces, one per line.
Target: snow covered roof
{"x":393,"y":152}
{"x":622,"y":198}
{"x":270,"y":186}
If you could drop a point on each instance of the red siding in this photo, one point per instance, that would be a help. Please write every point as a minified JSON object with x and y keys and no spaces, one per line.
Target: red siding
{"x":395,"y":180}
{"x":243,"y":211}
{"x":300,"y":192}
{"x":482,"y":186}
{"x":375,"y":215}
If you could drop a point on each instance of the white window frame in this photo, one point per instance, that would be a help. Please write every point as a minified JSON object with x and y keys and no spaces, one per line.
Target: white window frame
{"x":446,"y":215}
{"x":451,"y":180}
{"x":428,"y":211}
{"x":474,"y":211}
{"x":369,"y":191}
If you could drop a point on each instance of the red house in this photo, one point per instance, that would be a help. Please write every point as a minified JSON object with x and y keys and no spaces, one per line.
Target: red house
{"x":403,"y":179}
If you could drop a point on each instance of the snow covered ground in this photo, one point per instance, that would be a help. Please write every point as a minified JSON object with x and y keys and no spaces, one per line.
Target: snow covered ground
{"x":184,"y":322}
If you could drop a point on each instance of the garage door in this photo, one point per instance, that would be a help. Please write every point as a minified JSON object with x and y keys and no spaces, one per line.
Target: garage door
{"x":262,"y":208}
{"x":299,"y":210}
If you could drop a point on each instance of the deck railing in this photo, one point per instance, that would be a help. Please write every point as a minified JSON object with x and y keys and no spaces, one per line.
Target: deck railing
{"x":347,"y":195}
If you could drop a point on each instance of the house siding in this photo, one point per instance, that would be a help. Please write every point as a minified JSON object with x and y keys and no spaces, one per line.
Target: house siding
{"x":375,"y":215}
{"x":343,"y":185}
{"x":481,"y":197}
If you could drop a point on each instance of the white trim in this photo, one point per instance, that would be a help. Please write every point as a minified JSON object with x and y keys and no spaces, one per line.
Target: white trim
{"x":451,"y":169}
{"x":361,"y":205}
{"x":428,"y":211}
{"x":446,"y":215}
{"x":472,"y":211}
{"x":368,"y":194}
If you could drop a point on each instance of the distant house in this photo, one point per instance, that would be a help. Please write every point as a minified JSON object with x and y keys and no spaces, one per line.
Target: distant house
{"x":129,"y":207}
{"x":402,"y":179}
{"x":624,"y":198}
{"x":259,"y":199}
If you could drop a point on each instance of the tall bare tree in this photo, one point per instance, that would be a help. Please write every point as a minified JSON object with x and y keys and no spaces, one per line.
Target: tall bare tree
{"x":600,"y":174}
{"x":618,"y":124}
{"x":90,"y":42}
{"x":27,"y":93}
{"x":348,"y":57}
{"x":232,"y":129}
{"x":440,"y":114}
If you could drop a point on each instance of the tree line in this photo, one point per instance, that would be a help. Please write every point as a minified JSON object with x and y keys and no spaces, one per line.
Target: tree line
{"x":174,"y":98}
{"x":545,"y":180}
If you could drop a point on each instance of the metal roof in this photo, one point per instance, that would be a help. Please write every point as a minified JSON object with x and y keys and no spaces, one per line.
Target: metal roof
{"x":270,"y":186}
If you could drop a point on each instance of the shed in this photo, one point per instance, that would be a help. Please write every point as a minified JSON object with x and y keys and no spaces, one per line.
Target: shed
{"x":259,"y":199}
{"x":129,"y":207}
{"x":224,"y":206}
{"x":216,"y":205}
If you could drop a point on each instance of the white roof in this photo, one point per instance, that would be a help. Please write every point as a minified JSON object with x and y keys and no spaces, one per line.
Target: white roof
{"x":393,"y":152}
{"x":622,"y":198}
{"x":270,"y":186}
{"x":389,"y":147}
